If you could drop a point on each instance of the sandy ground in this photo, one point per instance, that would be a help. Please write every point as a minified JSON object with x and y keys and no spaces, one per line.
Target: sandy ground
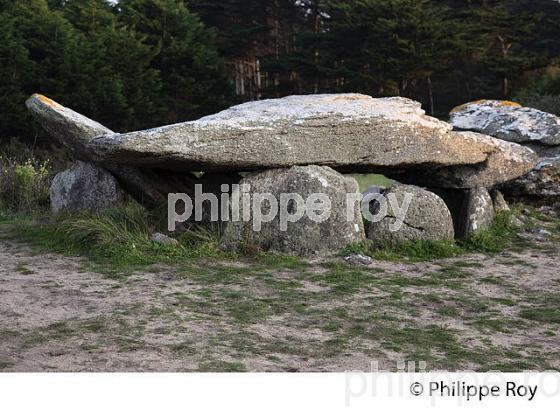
{"x":475,"y":312}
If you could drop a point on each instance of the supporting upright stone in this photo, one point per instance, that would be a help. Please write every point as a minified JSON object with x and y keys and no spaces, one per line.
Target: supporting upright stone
{"x":499,"y":202}
{"x":84,"y":187}
{"x":472,"y":210}
{"x":286,"y":232}
{"x":423,"y":216}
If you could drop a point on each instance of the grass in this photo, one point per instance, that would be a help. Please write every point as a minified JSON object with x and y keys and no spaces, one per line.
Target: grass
{"x":366,"y":180}
{"x":412,"y":251}
{"x":542,"y":314}
{"x":438,"y":346}
{"x":256,"y":306}
{"x":492,"y":240}
{"x":24,"y":270}
{"x":118,"y":239}
{"x":491,"y":324}
{"x":496,"y":238}
{"x":221,"y":366}
{"x":343,"y":279}
{"x":357,"y":309}
{"x":5,"y":365}
{"x":447,"y":277}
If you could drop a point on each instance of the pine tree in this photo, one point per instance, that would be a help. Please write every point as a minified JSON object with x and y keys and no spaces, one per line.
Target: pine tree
{"x":379,"y":47}
{"x":34,"y":43}
{"x":191,"y":71}
{"x":140,"y":63}
{"x":108,"y":75}
{"x":502,"y":29}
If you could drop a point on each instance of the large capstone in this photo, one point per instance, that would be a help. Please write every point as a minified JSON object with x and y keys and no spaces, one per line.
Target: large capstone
{"x":407,"y":213}
{"x":84,"y":187}
{"x":504,"y":160}
{"x":347,"y":132}
{"x":507,"y":121}
{"x":293,"y":226}
{"x":149,"y":186}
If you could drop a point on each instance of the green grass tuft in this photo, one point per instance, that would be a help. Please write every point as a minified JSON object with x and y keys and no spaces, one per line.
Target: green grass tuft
{"x":221,"y":366}
{"x":494,"y":239}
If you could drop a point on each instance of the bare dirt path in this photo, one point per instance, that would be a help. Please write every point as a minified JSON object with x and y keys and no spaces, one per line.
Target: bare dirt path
{"x":479,"y":312}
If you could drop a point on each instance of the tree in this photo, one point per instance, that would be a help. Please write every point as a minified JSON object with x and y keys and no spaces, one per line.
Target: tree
{"x":141,"y":63}
{"x":379,"y":47}
{"x":192,"y":73}
{"x":109,"y":74}
{"x":34,"y":42}
{"x":503,"y":28}
{"x":132,"y":65}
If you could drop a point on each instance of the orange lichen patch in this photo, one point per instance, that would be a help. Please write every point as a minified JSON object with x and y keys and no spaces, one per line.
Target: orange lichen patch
{"x":504,"y":103}
{"x":350,"y":97}
{"x":507,"y":103}
{"x":48,"y":101}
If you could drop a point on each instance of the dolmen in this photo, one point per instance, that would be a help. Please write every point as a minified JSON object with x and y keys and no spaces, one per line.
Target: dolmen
{"x":306,"y":145}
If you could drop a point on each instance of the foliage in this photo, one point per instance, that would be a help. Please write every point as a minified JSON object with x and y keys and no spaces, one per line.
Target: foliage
{"x":19,"y":152}
{"x":367,"y":180}
{"x":24,"y":185}
{"x":118,"y":65}
{"x":192,"y":76}
{"x":546,"y":103}
{"x":543,"y":94}
{"x":441,"y":53}
{"x":142,"y":63}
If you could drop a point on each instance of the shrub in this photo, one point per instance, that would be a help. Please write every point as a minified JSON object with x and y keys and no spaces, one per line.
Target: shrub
{"x":24,"y":186}
{"x":58,"y":157}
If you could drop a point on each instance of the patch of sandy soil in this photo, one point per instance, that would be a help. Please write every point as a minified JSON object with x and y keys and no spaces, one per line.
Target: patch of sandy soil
{"x":55,"y":315}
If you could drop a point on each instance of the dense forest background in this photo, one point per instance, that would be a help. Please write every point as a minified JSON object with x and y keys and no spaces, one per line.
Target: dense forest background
{"x":140,"y":63}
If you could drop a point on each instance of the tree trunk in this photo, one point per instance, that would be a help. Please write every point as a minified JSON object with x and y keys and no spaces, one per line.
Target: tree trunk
{"x":431,"y":95}
{"x":505,"y":51}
